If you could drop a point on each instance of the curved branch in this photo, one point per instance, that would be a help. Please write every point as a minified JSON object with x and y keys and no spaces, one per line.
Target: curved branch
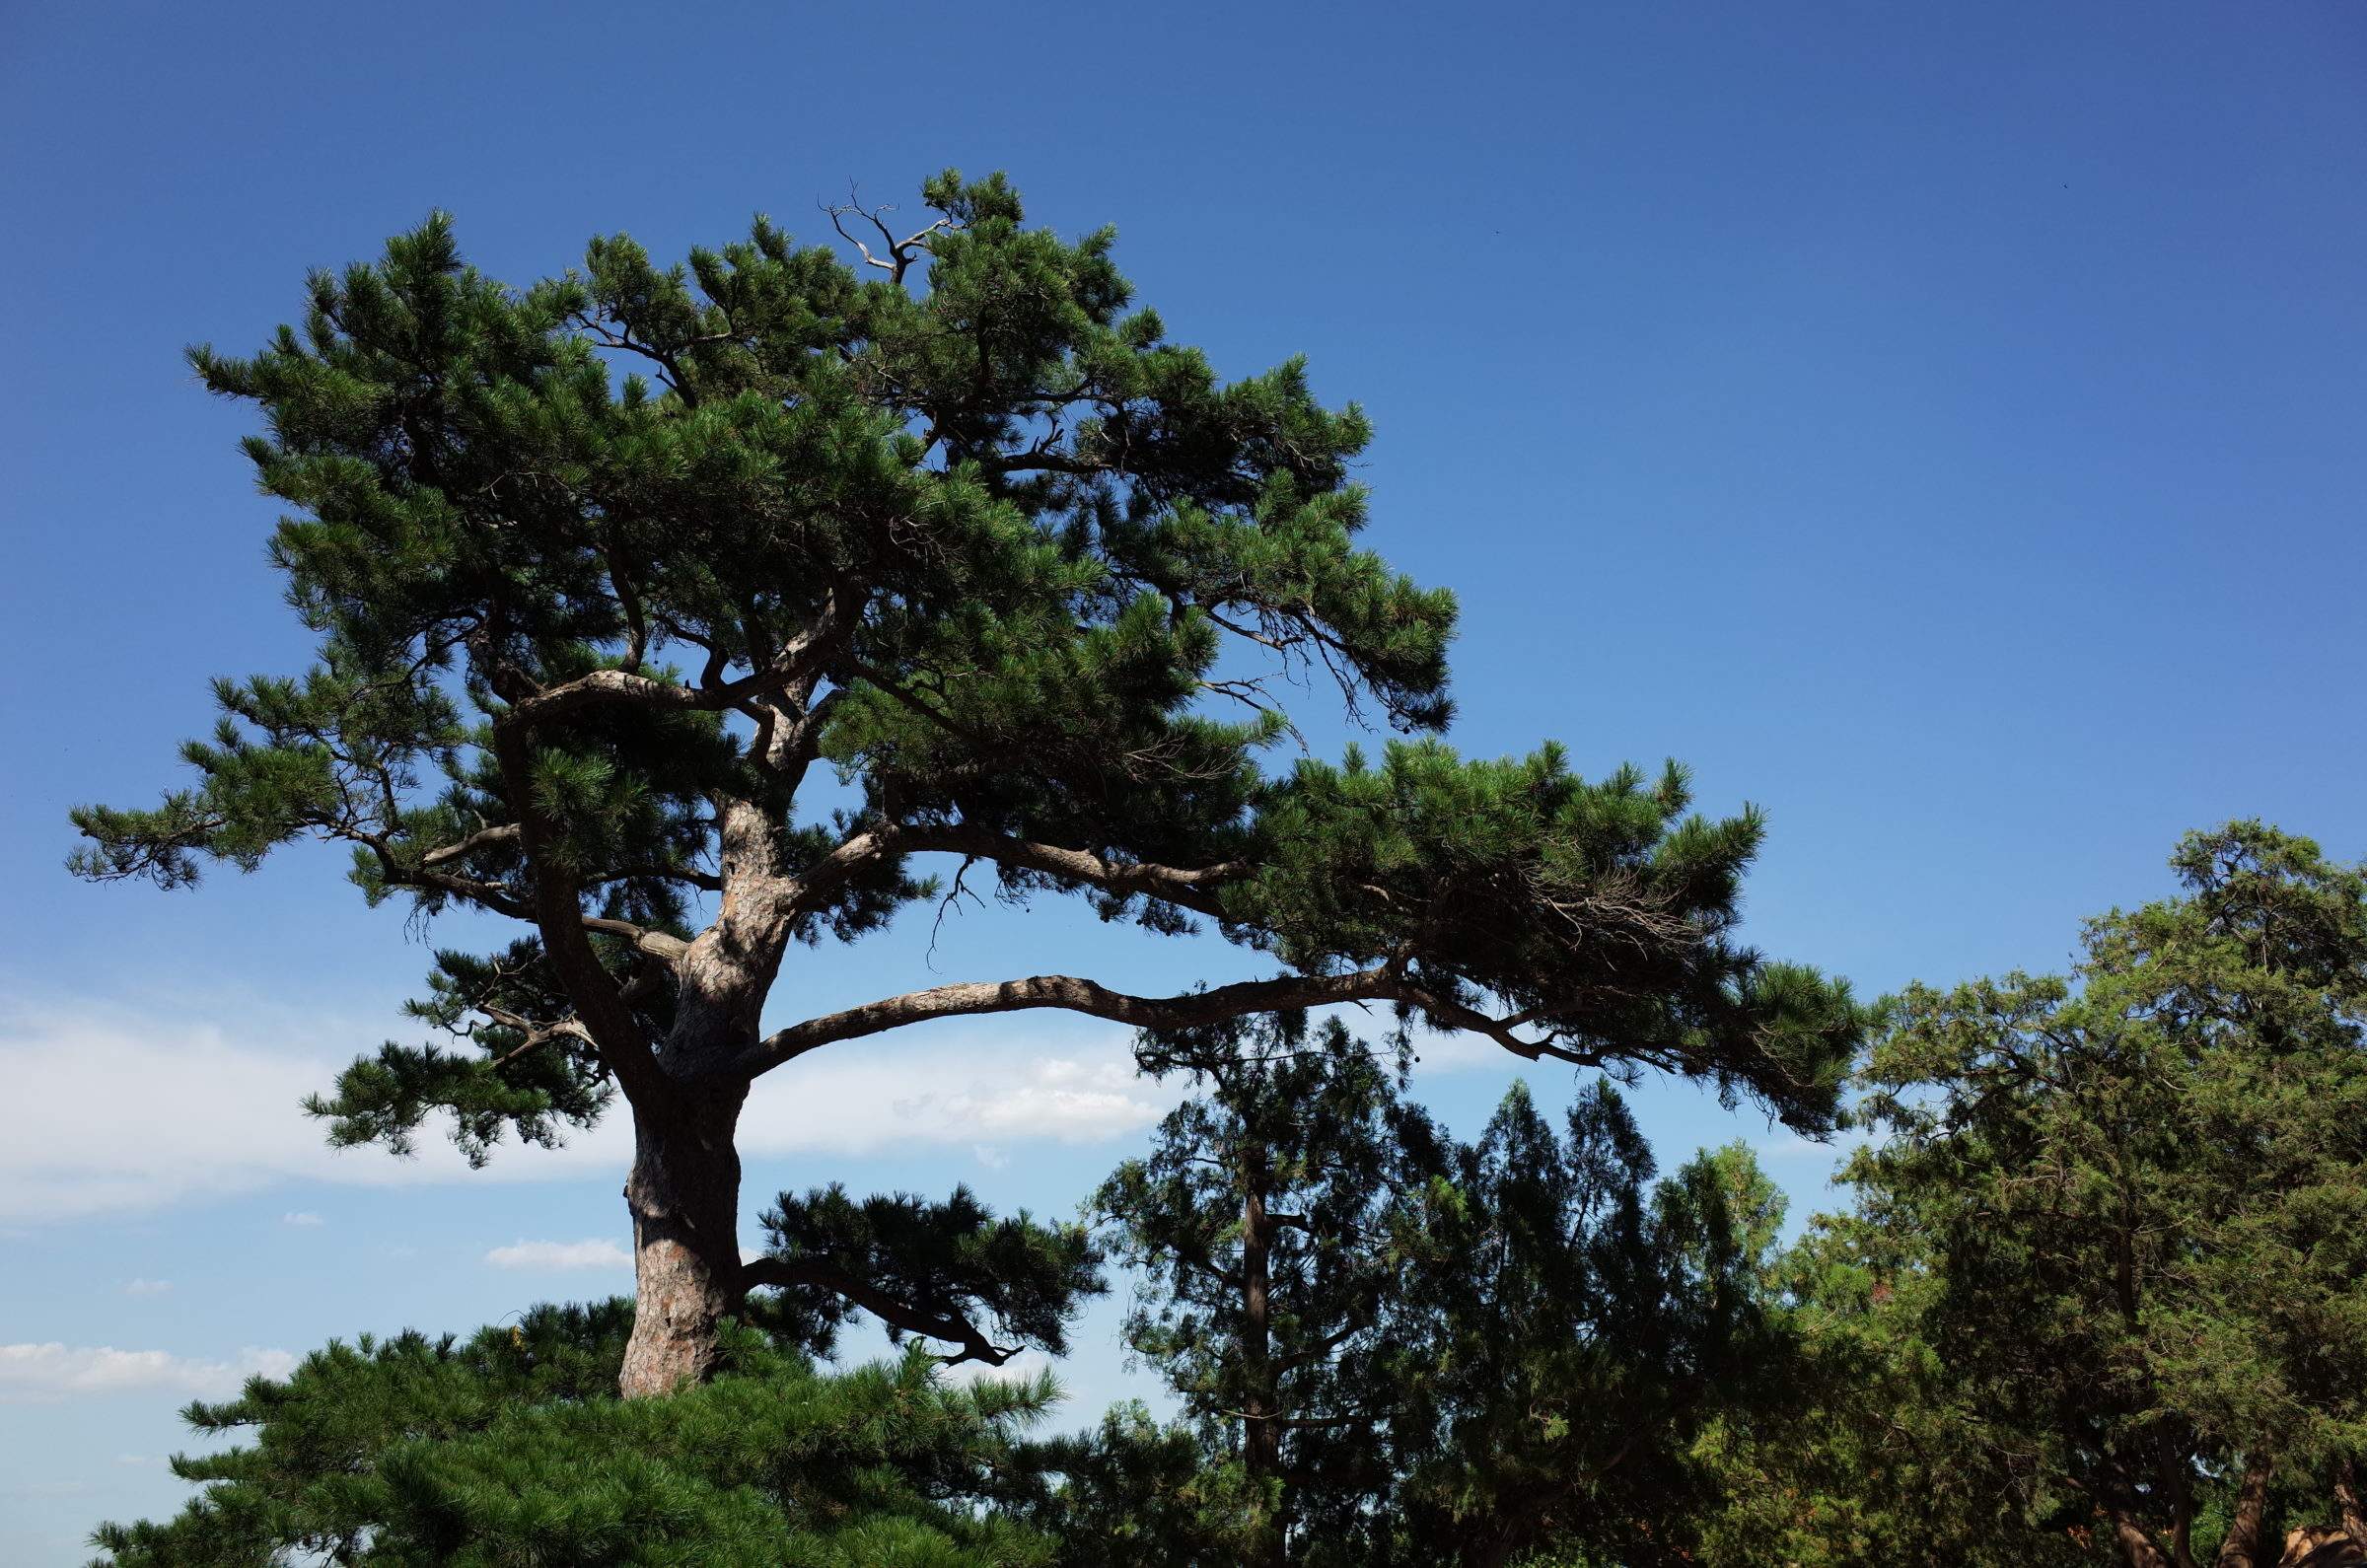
{"x":972,"y":998}
{"x":461,"y":849}
{"x":657,"y":944}
{"x":796,"y":661}
{"x":1191,"y":889}
{"x":940,"y":1323}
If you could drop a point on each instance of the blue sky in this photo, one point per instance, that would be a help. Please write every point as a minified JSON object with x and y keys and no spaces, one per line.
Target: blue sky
{"x":1939,"y":427}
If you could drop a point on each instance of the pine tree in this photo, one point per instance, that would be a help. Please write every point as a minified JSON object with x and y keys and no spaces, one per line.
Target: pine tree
{"x":1272,"y":1227}
{"x":1573,"y":1327}
{"x":513,"y":1448}
{"x":2138,"y":1197}
{"x":945,"y":518}
{"x":1856,"y":1451}
{"x":1398,"y":1348}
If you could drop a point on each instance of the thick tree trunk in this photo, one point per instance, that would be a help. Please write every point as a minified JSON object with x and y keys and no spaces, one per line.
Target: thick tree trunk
{"x":684,"y":1199}
{"x":2247,"y":1542}
{"x":2346,"y":1498}
{"x":1262,"y":1432}
{"x":2138,"y":1547}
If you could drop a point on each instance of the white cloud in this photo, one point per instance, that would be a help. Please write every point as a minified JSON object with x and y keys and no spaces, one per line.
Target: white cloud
{"x":1073,"y":1099}
{"x":147,"y":1287}
{"x":123,"y":1109}
{"x":115,"y":1109}
{"x":31,"y":1373}
{"x":32,"y":1489}
{"x":561,"y":1255}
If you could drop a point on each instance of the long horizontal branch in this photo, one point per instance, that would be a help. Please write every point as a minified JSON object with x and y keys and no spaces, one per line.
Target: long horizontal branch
{"x":1066,"y":991}
{"x":625,"y":685}
{"x":1185,"y":1010}
{"x":461,"y":849}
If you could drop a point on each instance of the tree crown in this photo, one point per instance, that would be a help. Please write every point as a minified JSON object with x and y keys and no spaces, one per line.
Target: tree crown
{"x":600,"y":569}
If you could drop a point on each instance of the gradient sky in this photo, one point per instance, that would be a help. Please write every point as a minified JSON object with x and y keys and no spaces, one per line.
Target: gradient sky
{"x":1941,"y":428}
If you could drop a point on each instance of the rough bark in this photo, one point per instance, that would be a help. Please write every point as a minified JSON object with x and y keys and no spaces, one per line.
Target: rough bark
{"x":2246,"y":1543}
{"x":685,"y":1198}
{"x":2321,"y":1546}
{"x":2346,"y":1497}
{"x":2138,"y":1546}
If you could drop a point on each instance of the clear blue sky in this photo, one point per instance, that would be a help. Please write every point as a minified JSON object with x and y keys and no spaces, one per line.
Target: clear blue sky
{"x":1940,"y":426}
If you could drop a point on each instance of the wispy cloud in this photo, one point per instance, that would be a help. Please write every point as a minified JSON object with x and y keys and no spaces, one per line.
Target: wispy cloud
{"x":561,"y":1255}
{"x":147,"y":1287}
{"x":1070,"y":1099}
{"x":116,"y":1111}
{"x":33,"y":1489}
{"x":42,"y":1373}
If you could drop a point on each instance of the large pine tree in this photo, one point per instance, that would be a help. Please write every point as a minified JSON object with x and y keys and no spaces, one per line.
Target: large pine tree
{"x":938,"y":511}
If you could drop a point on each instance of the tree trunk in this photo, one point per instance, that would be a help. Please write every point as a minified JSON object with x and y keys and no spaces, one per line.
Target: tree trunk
{"x":685,"y":1198}
{"x":1262,"y":1433}
{"x":2246,"y":1543}
{"x":2138,"y":1546}
{"x":2346,"y":1497}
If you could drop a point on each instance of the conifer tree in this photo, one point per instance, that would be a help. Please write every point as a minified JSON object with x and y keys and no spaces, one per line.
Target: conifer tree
{"x":1272,"y":1225}
{"x":1399,"y":1348}
{"x":603,"y":569}
{"x":1859,"y":1452}
{"x":513,"y":1448}
{"x":1573,"y":1327}
{"x":2139,"y":1200}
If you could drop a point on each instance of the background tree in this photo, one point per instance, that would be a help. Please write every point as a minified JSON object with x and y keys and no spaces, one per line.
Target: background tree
{"x":951,"y":519}
{"x":1856,"y":1450}
{"x":1574,"y":1327}
{"x":1270,"y":1228}
{"x":2142,"y":1197}
{"x":1134,"y":1492}
{"x":512,"y":1446}
{"x":1420,"y":1351}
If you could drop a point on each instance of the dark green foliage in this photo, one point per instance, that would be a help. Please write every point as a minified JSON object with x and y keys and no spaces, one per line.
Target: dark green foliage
{"x":512,"y":1448}
{"x":1462,"y":1354}
{"x":947,"y":1270}
{"x":1133,"y":1493}
{"x":1601,"y":912}
{"x":1270,"y":1230}
{"x":1577,"y":1328}
{"x":1854,"y":1450}
{"x":2106,"y":1269}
